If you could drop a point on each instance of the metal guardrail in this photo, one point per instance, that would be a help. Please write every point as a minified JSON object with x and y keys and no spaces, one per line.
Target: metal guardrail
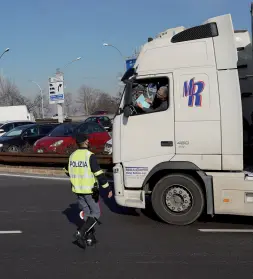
{"x":11,"y":157}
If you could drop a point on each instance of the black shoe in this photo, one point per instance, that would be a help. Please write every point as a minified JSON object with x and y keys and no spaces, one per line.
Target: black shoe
{"x":91,"y":239}
{"x":77,"y":235}
{"x":79,"y":240}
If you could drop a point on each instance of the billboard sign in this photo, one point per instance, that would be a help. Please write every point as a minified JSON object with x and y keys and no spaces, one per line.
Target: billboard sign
{"x":56,"y":90}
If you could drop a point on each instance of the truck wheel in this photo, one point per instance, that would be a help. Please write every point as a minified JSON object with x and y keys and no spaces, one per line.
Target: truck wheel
{"x":178,"y":199}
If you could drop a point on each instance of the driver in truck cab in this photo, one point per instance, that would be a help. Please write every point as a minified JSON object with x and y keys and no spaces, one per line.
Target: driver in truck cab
{"x":162,"y":96}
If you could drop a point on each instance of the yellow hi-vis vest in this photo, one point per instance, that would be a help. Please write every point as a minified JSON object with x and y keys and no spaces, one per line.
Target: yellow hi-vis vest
{"x":81,"y":176}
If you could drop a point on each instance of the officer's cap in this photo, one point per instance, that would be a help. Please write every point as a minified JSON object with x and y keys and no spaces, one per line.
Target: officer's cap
{"x":81,"y":138}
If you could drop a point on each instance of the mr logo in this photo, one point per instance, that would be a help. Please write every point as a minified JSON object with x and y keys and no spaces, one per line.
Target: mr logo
{"x":78,"y":164}
{"x":193,"y":91}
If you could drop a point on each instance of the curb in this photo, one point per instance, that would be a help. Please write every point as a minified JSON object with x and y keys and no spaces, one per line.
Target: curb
{"x":32,"y":170}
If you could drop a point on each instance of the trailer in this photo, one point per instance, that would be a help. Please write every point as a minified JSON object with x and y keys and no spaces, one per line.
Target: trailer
{"x":10,"y":113}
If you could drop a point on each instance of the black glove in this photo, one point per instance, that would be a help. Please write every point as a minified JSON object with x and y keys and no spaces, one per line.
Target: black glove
{"x":95,"y":193}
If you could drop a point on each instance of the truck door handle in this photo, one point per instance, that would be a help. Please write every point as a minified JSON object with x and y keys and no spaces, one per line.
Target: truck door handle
{"x":166,"y":143}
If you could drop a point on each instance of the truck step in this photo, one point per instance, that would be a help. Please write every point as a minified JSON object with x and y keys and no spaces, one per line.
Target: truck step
{"x":248,"y":173}
{"x":249,"y":178}
{"x":135,"y":203}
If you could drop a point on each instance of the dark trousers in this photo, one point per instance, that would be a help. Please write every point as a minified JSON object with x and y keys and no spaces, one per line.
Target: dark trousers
{"x":88,"y":206}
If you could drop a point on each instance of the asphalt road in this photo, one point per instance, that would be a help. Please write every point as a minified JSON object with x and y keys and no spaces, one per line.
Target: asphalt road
{"x":132,"y":244}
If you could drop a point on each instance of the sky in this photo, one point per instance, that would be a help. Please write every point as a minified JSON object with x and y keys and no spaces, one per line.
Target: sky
{"x":45,"y":35}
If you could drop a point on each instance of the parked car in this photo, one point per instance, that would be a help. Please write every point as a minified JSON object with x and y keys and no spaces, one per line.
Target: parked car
{"x":22,"y":137}
{"x":6,"y":126}
{"x":62,"y":139}
{"x":102,"y":120}
{"x":100,"y":112}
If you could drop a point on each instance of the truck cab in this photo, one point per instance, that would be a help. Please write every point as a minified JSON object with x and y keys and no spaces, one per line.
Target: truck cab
{"x":189,"y":156}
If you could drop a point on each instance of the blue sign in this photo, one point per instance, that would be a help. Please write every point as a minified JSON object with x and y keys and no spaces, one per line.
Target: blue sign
{"x":130,"y":63}
{"x":56,"y":90}
{"x":56,"y":97}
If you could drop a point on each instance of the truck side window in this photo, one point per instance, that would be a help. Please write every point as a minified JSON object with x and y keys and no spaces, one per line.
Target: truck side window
{"x":150,"y":95}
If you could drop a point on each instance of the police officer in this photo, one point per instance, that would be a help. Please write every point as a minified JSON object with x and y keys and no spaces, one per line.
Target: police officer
{"x":85,"y":174}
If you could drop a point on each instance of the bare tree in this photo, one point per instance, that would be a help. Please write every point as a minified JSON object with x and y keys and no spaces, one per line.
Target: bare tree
{"x":9,"y":93}
{"x":93,"y":99}
{"x":107,"y":102}
{"x":118,"y":97}
{"x":35,"y":106}
{"x":68,"y":103}
{"x":10,"y":96}
{"x":88,"y":98}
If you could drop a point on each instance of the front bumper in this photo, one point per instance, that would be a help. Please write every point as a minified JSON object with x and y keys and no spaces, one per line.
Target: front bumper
{"x":124,"y":197}
{"x":43,"y":149}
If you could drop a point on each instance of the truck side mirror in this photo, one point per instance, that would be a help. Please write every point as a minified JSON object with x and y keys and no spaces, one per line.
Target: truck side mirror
{"x":128,"y":95}
{"x":127,"y":111}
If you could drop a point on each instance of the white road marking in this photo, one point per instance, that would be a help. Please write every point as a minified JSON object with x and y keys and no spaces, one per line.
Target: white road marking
{"x":10,"y":232}
{"x":30,"y":211}
{"x":227,"y":230}
{"x":34,"y":176}
{"x":40,"y":177}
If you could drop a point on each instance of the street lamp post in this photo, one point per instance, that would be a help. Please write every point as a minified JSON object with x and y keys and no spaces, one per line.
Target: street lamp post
{"x":64,"y":67}
{"x":59,"y":105}
{"x":41,"y":94}
{"x":124,"y":58}
{"x":6,"y":50}
{"x":110,"y":45}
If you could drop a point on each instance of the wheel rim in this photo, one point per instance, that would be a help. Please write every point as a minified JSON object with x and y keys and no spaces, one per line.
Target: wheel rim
{"x":178,"y":199}
{"x":13,"y":149}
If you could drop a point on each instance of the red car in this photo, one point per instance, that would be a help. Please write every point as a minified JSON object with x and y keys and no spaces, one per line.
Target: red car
{"x":100,"y":112}
{"x":62,"y":139}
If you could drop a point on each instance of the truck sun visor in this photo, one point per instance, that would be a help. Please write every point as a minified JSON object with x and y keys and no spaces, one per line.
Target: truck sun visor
{"x":208,"y":30}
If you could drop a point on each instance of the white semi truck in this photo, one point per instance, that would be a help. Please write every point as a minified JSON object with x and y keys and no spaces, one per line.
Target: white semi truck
{"x":189,"y":157}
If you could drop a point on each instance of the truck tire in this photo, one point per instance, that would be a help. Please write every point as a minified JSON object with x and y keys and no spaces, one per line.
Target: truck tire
{"x":178,"y":199}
